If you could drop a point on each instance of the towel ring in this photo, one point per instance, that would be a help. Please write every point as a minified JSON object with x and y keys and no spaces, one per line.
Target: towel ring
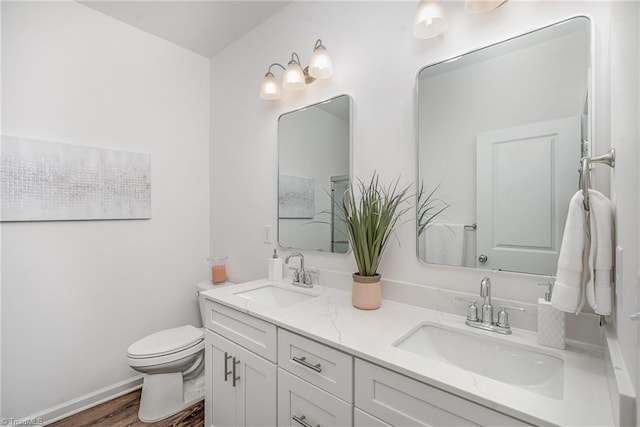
{"x":608,"y":159}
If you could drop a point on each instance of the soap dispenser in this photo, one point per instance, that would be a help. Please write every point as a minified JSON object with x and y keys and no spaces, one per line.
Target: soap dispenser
{"x":551,"y":321}
{"x":274,"y":273}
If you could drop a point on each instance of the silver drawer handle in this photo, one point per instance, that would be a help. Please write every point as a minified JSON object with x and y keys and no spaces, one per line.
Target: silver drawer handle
{"x":226,"y":361}
{"x":235,"y":378}
{"x":303,"y":361}
{"x":302,"y":422}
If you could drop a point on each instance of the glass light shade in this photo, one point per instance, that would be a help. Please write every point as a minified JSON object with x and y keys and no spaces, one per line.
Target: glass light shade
{"x":270,"y":88}
{"x":293,"y":78}
{"x":320,"y":65}
{"x":481,"y":6}
{"x":430,"y":20}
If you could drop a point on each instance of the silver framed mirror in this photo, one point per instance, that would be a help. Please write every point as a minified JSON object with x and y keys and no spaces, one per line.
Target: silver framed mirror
{"x":500,"y":133}
{"x":314,"y":166}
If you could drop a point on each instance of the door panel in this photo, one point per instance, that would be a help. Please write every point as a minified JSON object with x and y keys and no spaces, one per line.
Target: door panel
{"x":520,"y":170}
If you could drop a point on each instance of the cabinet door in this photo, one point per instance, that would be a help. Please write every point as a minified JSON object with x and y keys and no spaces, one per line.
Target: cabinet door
{"x":221,"y":396}
{"x":302,"y":404}
{"x":256,"y":386}
{"x":247,"y":400}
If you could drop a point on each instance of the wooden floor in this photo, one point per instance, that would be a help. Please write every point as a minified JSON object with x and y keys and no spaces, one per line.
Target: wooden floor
{"x":123,"y":412}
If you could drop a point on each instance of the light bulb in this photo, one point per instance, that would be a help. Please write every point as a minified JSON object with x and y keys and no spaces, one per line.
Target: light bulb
{"x":293,"y":78}
{"x":320,"y":65}
{"x":270,"y":88}
{"x":429,"y":20}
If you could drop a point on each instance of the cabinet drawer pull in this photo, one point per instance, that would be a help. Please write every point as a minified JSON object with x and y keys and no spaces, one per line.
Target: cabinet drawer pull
{"x":235,"y":378}
{"x":300,"y":420}
{"x":303,"y":361}
{"x":226,"y":371}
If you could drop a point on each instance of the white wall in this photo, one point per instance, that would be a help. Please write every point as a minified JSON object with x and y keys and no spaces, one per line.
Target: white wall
{"x":625,"y":137}
{"x":376,"y":59}
{"x":75,"y":295}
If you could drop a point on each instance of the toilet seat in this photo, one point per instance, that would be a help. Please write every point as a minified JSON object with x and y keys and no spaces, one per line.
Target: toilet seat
{"x":166,"y":345}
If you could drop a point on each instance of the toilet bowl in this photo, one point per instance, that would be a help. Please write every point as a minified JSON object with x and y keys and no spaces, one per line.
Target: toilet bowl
{"x":172,"y":361}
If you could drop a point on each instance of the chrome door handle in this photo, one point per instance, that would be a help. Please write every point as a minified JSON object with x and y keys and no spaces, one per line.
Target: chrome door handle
{"x":483,"y":258}
{"x":226,"y":372}
{"x":300,"y":420}
{"x":303,"y":361}
{"x":235,"y":378}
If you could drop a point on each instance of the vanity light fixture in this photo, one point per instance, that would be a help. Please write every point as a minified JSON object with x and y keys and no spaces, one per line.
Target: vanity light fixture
{"x":482,"y":6}
{"x":430,"y":20}
{"x":295,"y":77}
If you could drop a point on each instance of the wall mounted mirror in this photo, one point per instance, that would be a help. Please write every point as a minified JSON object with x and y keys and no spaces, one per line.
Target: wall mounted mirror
{"x":501,"y":131}
{"x":314,"y":145}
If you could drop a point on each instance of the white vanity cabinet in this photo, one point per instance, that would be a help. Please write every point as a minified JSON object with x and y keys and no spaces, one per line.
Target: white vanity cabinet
{"x":258,"y":374}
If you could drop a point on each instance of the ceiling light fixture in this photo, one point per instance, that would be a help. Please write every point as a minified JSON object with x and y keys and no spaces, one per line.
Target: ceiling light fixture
{"x":295,"y":77}
{"x":430,"y":20}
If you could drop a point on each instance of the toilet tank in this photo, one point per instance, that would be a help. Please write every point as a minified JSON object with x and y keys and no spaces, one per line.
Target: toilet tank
{"x":206,"y":285}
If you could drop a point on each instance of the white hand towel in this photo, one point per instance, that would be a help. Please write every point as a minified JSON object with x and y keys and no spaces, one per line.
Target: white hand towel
{"x":568,"y":290}
{"x":444,"y":244}
{"x":598,"y":285}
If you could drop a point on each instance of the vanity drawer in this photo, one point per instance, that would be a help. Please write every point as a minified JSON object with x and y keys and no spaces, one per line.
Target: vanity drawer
{"x":323,"y":366}
{"x":248,"y":331}
{"x":399,"y":400}
{"x":362,"y":419}
{"x":300,"y":402}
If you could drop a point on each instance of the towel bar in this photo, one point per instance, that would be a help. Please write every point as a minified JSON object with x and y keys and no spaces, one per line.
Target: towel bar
{"x":608,"y":159}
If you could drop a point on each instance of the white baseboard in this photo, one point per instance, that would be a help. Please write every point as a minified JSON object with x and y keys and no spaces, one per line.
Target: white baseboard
{"x":59,"y":412}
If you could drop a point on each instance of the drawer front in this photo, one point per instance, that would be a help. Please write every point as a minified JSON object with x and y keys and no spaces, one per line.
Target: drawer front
{"x":250,"y":332}
{"x":362,"y":419}
{"x":301,"y":404}
{"x":323,"y":366}
{"x":399,"y":400}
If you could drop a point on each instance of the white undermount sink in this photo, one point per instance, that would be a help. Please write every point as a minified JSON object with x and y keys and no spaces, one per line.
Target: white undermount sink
{"x":275,"y":295}
{"x":491,"y":357}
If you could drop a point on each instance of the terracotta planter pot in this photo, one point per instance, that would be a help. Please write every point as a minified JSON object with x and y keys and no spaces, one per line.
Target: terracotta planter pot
{"x":366,"y":293}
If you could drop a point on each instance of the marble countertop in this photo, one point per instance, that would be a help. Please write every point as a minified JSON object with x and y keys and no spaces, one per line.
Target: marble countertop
{"x":331,"y":319}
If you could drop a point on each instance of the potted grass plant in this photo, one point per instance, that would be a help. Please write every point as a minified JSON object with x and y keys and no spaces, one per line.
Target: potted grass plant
{"x":372,"y":213}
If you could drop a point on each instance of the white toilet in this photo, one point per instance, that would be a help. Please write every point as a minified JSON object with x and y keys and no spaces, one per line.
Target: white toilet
{"x":173,"y":363}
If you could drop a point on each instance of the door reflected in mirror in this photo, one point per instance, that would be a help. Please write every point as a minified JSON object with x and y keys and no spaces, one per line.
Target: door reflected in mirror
{"x":501,"y":130}
{"x":314,"y":145}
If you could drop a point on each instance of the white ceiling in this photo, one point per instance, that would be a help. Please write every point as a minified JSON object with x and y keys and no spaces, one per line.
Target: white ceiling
{"x":205,"y":26}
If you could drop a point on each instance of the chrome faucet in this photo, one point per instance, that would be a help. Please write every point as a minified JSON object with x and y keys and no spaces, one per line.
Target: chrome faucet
{"x":486,"y":321}
{"x":487,"y":308}
{"x":300,"y":276}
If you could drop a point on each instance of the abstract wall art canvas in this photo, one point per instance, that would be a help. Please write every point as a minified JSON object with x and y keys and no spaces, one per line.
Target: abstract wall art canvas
{"x":52,"y":181}
{"x":296,"y":197}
